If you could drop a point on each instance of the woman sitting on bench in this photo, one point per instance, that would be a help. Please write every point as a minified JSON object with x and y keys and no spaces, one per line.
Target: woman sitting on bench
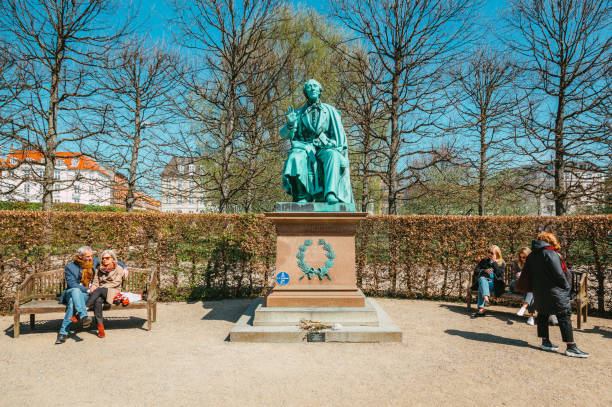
{"x":106,"y":285}
{"x":517,"y":268}
{"x":489,"y":276}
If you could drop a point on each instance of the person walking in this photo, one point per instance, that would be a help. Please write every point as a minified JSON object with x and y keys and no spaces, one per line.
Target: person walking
{"x":550,"y":282}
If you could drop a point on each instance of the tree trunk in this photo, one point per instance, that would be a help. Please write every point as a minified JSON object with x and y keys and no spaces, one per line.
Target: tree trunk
{"x":395,"y":142}
{"x":51,"y":138}
{"x":559,"y":193}
{"x":482,"y":169}
{"x":130,"y":197}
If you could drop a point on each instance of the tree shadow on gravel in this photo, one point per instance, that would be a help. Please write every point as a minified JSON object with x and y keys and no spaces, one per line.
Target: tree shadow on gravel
{"x":486,"y":337}
{"x":509,"y":317}
{"x":603,"y":331}
{"x":50,"y":325}
{"x":225,"y":310}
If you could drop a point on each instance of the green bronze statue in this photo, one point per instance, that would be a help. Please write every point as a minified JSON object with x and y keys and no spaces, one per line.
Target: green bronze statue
{"x":317,"y":167}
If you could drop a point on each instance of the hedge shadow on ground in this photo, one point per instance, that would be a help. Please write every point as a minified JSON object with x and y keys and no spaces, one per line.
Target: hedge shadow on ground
{"x":50,"y":325}
{"x":491,"y":338}
{"x":603,"y":331}
{"x":509,"y":316}
{"x":225,"y":310}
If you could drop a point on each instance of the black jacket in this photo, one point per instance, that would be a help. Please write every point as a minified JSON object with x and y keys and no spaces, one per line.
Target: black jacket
{"x":549,"y":284}
{"x":498,"y":269}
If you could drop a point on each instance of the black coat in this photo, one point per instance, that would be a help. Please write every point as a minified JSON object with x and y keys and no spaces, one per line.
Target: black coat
{"x":499,"y":286}
{"x":549,"y":284}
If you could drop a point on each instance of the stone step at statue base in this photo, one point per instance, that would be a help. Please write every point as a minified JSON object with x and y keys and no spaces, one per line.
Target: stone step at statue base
{"x":246,"y":331}
{"x":291,"y":316}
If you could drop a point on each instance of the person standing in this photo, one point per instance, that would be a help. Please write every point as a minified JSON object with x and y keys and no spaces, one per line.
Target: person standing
{"x":550,"y":283}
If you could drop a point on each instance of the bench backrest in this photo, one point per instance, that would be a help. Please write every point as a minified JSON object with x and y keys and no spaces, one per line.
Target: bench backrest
{"x":50,"y":284}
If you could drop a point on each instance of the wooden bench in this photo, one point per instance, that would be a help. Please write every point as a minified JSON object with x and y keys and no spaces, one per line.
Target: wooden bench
{"x":579,"y":289}
{"x":39,"y":294}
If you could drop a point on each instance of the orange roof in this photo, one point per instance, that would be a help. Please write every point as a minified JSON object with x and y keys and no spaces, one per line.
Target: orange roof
{"x":73,"y":161}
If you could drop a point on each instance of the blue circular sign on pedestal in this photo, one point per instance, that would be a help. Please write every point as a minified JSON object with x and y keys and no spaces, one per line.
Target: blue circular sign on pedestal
{"x":282,"y":278}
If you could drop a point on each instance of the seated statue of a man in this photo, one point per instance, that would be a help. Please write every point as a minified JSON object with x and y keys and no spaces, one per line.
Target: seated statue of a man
{"x":317,"y":167}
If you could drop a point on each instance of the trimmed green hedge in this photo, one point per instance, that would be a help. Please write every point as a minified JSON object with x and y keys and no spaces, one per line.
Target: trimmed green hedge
{"x":206,"y":256}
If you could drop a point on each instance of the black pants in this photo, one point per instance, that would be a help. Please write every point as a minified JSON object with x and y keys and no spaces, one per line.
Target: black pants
{"x":565,"y":325}
{"x":97,"y":299}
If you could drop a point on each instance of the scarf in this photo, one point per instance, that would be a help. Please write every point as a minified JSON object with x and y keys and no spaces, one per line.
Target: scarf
{"x":86,"y":270}
{"x":563,"y":265}
{"x":106,"y":270}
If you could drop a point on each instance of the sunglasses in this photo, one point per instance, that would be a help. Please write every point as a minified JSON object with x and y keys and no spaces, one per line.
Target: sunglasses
{"x":490,"y":252}
{"x":106,"y":257}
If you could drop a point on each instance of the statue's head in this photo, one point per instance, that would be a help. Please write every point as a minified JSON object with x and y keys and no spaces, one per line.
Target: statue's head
{"x":312,"y":90}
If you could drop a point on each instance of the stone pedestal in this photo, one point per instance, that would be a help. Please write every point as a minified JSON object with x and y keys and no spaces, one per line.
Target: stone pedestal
{"x":316,"y":280}
{"x":318,"y":237}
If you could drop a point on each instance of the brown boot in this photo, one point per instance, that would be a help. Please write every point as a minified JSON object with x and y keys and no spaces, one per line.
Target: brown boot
{"x":101,"y":333}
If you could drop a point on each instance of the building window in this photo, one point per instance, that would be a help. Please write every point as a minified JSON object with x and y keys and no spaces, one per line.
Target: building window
{"x":91,"y":189}
{"x":179,"y":183}
{"x":191,"y":168}
{"x":26,"y":173}
{"x":179,"y":199}
{"x":191,"y":200}
{"x":166,"y":184}
{"x":181,"y":169}
{"x":26,"y":188}
{"x":57,"y":175}
{"x":76,"y":198}
{"x":56,"y":200}
{"x":77,"y":189}
{"x":167,"y":199}
{"x":192,"y":184}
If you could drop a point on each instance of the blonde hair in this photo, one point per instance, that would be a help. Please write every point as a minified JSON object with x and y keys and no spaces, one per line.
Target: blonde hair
{"x":550,"y":238}
{"x":498,"y":255}
{"x":523,"y":250}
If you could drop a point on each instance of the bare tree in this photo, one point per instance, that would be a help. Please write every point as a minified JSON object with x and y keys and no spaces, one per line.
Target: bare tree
{"x":566,"y":48}
{"x":231,"y":38}
{"x":486,"y":103}
{"x":413,"y":40}
{"x":56,"y":45}
{"x":139,"y":83}
{"x":362,"y":107}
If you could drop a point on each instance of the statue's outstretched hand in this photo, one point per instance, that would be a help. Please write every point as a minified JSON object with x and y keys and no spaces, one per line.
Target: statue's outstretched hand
{"x":291,"y":116}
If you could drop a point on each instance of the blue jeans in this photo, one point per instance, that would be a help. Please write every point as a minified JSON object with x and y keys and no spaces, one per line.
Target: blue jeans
{"x":75,"y":300}
{"x":485,"y":286}
{"x":530,"y":302}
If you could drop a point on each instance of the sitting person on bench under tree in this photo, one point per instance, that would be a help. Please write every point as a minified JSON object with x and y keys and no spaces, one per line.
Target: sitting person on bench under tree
{"x":488,"y":277}
{"x":79,"y":275}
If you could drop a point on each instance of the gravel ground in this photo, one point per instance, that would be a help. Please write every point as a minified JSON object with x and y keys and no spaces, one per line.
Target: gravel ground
{"x":446,"y":358}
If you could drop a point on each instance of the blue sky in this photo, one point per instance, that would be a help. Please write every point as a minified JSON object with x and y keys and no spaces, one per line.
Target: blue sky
{"x":154,"y":14}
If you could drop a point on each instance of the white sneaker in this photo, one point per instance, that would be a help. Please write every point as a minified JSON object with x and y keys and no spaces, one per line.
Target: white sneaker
{"x":530,"y":321}
{"x":521,"y":312}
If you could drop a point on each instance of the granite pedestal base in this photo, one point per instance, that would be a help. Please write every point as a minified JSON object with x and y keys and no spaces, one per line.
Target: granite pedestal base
{"x":279,"y":324}
{"x":316,"y":240}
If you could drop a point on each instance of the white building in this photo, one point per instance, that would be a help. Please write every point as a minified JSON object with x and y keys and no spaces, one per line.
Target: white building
{"x":585,"y":188}
{"x":78,"y":179}
{"x":181,"y":190}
